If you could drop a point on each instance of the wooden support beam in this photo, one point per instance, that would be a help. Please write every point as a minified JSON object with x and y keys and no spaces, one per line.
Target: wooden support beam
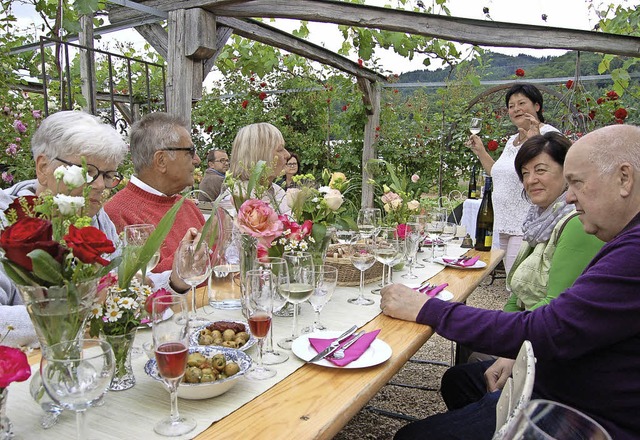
{"x":222,"y":35}
{"x":87,"y":64}
{"x":180,"y":69}
{"x":371,"y":97}
{"x":200,"y":38}
{"x":257,"y":31}
{"x":156,"y":36}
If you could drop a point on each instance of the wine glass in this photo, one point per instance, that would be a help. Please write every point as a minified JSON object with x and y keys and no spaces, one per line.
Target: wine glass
{"x":278,"y":267}
{"x":369,"y":220}
{"x":325,"y":285}
{"x":412,"y":241}
{"x":397,"y":259}
{"x":346,"y":236}
{"x":76,"y":374}
{"x":385,"y":252}
{"x":421,"y":220}
{"x":547,"y":420}
{"x":437,"y":219}
{"x":362,"y":257}
{"x":193,"y":265}
{"x":135,"y":236}
{"x":258,"y":301}
{"x":448,"y":234}
{"x":475,"y":125}
{"x":301,"y":279}
{"x":171,"y":342}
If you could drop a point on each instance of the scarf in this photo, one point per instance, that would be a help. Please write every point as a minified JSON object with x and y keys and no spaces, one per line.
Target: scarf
{"x":538,"y":224}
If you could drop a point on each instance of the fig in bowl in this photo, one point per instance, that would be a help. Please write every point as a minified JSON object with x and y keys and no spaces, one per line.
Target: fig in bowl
{"x":211,"y":371}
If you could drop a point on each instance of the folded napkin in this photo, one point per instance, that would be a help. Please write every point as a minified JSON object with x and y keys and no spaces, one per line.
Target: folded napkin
{"x":434,"y":290}
{"x":462,"y":263}
{"x":352,"y":353}
{"x":437,"y":242}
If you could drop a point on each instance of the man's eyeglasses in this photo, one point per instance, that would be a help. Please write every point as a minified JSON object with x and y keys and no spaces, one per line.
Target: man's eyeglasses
{"x":111,"y":178}
{"x":222,"y":160}
{"x":191,"y":150}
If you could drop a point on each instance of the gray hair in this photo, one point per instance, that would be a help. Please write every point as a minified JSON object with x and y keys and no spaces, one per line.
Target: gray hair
{"x":253,"y":143}
{"x":76,"y":133}
{"x":154,"y":132}
{"x":618,"y":144}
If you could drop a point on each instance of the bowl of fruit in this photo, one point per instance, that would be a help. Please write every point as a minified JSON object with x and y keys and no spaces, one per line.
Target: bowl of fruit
{"x":211,"y":371}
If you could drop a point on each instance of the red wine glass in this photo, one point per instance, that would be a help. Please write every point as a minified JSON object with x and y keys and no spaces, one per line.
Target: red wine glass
{"x":258,"y":301}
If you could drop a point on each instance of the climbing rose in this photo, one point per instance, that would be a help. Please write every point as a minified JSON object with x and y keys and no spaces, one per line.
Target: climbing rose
{"x":621,"y":113}
{"x":519,"y":72}
{"x":262,"y":96}
{"x":245,"y":103}
{"x":569,"y":84}
{"x":612,"y":95}
{"x":492,"y":145}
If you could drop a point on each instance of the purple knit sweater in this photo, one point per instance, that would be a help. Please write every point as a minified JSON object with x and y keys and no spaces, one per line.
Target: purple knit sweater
{"x":587,"y":341}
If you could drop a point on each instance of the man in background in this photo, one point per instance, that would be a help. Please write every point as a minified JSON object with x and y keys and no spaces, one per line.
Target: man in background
{"x":211,"y":185}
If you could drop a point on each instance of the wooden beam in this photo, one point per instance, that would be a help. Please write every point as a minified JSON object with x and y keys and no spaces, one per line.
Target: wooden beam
{"x":200,"y":38}
{"x":222,"y":35}
{"x":180,"y":69}
{"x":462,"y":30}
{"x":371,"y":97}
{"x":87,"y":64}
{"x":263,"y":33}
{"x":156,"y":36}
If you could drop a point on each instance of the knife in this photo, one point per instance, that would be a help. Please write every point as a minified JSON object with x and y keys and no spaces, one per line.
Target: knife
{"x":334,"y":345}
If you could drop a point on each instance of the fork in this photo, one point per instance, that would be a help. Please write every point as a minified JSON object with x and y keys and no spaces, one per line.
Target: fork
{"x":339,"y":353}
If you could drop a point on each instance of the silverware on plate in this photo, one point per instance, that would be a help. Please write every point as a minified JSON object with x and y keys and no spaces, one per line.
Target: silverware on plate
{"x":334,"y":345}
{"x":339,"y":353}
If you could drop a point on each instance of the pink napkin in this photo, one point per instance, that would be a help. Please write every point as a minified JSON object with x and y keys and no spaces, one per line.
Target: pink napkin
{"x":352,"y":353}
{"x":428,"y":242}
{"x":435,"y":290}
{"x":463,"y":263}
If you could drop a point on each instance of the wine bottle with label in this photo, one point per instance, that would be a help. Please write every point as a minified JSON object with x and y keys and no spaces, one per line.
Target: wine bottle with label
{"x":484,"y":222}
{"x":473,"y":185}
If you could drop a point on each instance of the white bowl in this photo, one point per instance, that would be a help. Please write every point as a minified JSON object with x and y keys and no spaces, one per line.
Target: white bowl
{"x":207,"y":390}
{"x":193,"y":339}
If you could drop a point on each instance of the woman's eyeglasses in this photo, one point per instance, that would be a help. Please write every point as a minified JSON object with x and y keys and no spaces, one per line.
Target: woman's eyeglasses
{"x":111,"y":178}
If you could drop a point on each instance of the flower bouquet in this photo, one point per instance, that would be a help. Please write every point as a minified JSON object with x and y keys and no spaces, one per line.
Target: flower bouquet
{"x":14,"y":367}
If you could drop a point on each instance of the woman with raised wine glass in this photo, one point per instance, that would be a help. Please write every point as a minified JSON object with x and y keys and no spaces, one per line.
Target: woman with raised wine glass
{"x":524,"y":104}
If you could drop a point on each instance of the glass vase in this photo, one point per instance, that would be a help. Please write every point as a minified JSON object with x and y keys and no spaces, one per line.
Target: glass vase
{"x":318,"y":250}
{"x":224,"y":282}
{"x":248,"y":255}
{"x":6,"y":429}
{"x":123,"y":377}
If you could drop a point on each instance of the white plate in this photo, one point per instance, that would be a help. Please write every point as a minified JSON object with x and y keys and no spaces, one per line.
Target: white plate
{"x":378,"y":352}
{"x":478,"y":265}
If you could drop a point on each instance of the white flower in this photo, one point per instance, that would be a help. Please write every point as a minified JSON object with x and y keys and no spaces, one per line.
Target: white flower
{"x":292,"y":196}
{"x":395,"y":204}
{"x":413,"y":205}
{"x":114,"y":315}
{"x":324,"y":189}
{"x":96,"y":311}
{"x":59,"y":172}
{"x":74,"y":177}
{"x":126,"y":303}
{"x":334,"y":199}
{"x":68,"y":205}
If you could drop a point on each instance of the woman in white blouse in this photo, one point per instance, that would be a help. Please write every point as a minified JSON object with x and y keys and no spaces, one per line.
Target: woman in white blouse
{"x":524,"y":103}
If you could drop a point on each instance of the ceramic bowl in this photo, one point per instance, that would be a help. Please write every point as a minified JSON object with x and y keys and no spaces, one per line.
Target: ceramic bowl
{"x":193,"y":339}
{"x":207,"y":390}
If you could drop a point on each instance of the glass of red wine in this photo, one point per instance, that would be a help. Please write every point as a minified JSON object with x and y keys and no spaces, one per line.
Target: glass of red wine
{"x":171,"y":342}
{"x":258,"y":301}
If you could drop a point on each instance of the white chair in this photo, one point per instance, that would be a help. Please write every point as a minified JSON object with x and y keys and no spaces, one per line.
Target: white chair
{"x":517,"y":390}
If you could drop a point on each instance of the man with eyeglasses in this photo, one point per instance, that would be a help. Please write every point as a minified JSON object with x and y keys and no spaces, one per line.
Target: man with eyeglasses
{"x":211,"y":185}
{"x":164,"y":159}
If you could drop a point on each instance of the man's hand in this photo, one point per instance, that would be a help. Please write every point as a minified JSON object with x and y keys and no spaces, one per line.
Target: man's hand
{"x":175,"y":281}
{"x":402,"y":302}
{"x":498,"y":373}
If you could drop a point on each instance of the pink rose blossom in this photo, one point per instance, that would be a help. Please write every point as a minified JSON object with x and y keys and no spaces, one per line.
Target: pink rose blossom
{"x":14,"y":366}
{"x":259,"y":220}
{"x":19,"y":126}
{"x":401,"y":230}
{"x":160,"y":293}
{"x":18,"y":140}
{"x":415,"y":178}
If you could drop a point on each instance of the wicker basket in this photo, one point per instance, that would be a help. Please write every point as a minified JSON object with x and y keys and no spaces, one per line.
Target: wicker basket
{"x":348,"y":275}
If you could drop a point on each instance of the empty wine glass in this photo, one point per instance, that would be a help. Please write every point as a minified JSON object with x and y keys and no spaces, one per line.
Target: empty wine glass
{"x":437,"y":219}
{"x":325,"y":285}
{"x":422,"y":221}
{"x":369,"y":222}
{"x":385,"y":252}
{"x":475,"y":125}
{"x":258,"y":301}
{"x":397,"y":259}
{"x":362,"y":257}
{"x":346,"y":236}
{"x":76,"y":374}
{"x":301,"y":279}
{"x":448,"y":234}
{"x":171,"y":342}
{"x":412,"y":241}
{"x":135,"y":236}
{"x":193,"y":266}
{"x":278,"y":268}
{"x":547,"y":420}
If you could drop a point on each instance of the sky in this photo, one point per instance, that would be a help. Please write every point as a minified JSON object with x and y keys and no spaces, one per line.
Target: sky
{"x":573,"y":14}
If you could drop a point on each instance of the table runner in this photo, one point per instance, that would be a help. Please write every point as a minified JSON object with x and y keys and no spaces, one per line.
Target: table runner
{"x":131,"y":414}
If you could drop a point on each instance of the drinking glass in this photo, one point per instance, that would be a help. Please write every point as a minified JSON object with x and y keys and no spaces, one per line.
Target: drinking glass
{"x":193,"y":265}
{"x":385,"y":252}
{"x":76,"y":374}
{"x":397,"y":259}
{"x":412,"y":241}
{"x":475,"y":125}
{"x":171,"y":342}
{"x":437,"y":219}
{"x":369,"y":222}
{"x":547,"y":420}
{"x":362,"y":257}
{"x":135,"y":236}
{"x":422,"y":220}
{"x":258,"y":301}
{"x":300,"y":288}
{"x":325,"y":285}
{"x":346,"y":236}
{"x":448,"y":234}
{"x":278,"y":268}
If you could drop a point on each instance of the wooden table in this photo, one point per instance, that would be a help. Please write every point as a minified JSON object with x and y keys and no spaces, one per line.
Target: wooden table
{"x":316,"y":402}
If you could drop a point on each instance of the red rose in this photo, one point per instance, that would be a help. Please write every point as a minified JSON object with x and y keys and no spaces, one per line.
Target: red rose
{"x":26,"y":235}
{"x":14,"y":366}
{"x":612,"y":95}
{"x":161,"y":296}
{"x":245,"y":103}
{"x":621,"y":113}
{"x":592,"y":115}
{"x":569,"y":84}
{"x":600,"y":100}
{"x":17,"y":203}
{"x":619,"y":121}
{"x":262,"y":96}
{"x":252,"y":79}
{"x":519,"y":72}
{"x":360,"y":61}
{"x":209,"y":129}
{"x":492,"y":145}
{"x":344,"y":108}
{"x":88,"y":244}
{"x":263,"y":84}
{"x":395,"y":90}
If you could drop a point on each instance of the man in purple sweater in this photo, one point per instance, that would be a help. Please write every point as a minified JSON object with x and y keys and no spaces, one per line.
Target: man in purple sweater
{"x":587,"y":341}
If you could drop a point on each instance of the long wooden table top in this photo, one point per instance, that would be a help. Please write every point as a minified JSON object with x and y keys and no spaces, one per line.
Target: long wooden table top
{"x":316,"y":402}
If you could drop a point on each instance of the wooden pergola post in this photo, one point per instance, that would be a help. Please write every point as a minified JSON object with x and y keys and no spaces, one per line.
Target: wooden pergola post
{"x":371,"y":98}
{"x":87,"y":64}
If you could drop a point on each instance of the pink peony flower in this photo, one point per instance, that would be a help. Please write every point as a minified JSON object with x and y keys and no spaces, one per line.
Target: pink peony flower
{"x":19,"y":126}
{"x":37,"y":114}
{"x":259,"y":220}
{"x":12,"y":150}
{"x":14,"y":366}
{"x":415,"y":178}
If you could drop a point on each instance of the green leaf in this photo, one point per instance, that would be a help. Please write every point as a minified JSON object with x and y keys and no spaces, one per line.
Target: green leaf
{"x":46,"y":267}
{"x":17,"y":274}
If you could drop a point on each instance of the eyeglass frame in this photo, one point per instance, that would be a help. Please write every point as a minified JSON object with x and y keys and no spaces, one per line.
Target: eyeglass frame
{"x":192,"y":150}
{"x":222,"y":160}
{"x":117,"y":176}
{"x":292,"y":164}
